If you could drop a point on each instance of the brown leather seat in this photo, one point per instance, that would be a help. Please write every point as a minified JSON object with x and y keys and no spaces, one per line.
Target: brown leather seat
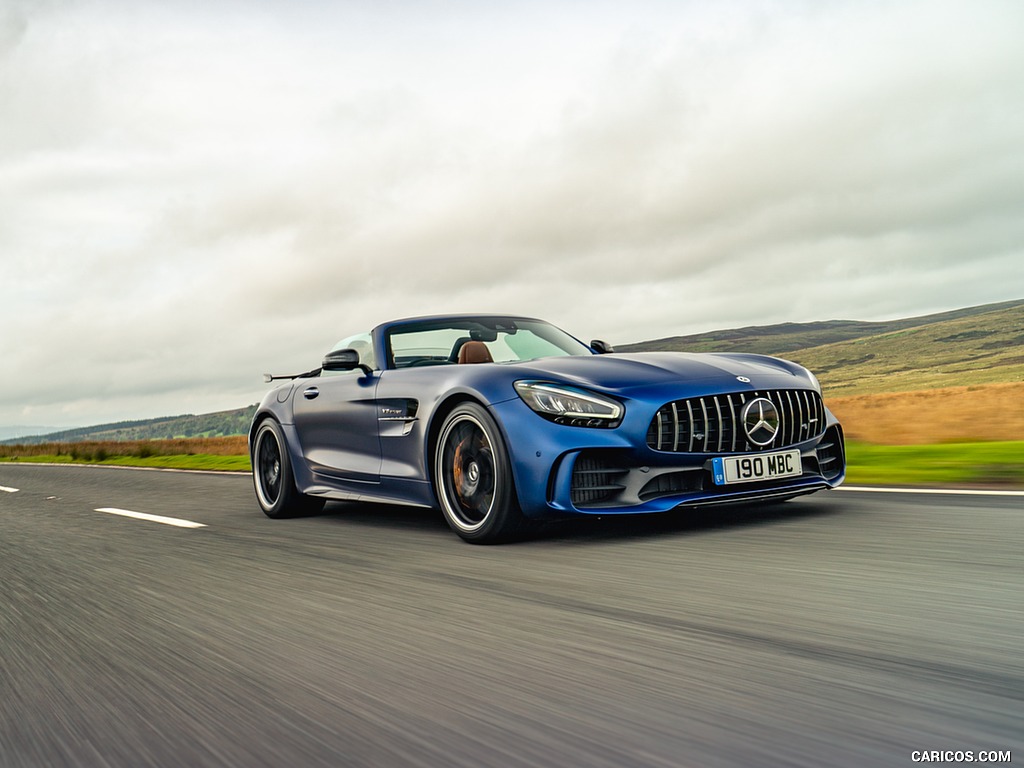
{"x":475,"y":352}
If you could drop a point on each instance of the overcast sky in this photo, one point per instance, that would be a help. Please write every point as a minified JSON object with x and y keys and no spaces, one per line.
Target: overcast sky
{"x":192,"y":193}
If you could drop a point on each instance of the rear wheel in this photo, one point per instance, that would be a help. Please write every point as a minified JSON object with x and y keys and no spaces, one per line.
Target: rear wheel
{"x":273,"y":477}
{"x":473,"y":478}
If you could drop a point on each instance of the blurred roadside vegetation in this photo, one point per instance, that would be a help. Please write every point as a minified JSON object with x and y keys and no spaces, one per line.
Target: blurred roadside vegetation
{"x":210,"y":453}
{"x":983,"y":465}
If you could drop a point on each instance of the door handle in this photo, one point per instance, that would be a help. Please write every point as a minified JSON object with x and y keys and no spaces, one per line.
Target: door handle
{"x":311,"y":393}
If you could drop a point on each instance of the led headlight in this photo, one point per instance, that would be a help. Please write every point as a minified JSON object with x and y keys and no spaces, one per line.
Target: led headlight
{"x":569,"y":405}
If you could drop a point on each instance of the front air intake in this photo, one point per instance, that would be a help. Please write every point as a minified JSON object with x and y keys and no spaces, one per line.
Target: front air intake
{"x":595,"y":479}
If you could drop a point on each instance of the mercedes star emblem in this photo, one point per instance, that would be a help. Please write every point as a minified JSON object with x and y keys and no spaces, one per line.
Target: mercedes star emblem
{"x":761,"y":421}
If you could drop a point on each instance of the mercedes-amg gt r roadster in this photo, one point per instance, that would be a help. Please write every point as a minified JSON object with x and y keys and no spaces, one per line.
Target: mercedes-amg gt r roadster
{"x":500,"y":421}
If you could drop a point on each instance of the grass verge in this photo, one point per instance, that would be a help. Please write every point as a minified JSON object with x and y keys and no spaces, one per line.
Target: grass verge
{"x":204,"y":461}
{"x":950,"y":464}
{"x":978,"y":464}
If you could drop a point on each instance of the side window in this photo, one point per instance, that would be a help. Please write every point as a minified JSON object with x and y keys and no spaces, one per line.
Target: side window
{"x":362,"y":344}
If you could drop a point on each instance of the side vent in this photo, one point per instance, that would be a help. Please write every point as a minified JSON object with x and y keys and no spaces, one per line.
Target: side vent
{"x":831,"y":454}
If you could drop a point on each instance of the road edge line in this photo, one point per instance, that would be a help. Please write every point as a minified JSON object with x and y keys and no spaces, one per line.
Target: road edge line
{"x":940,"y":491}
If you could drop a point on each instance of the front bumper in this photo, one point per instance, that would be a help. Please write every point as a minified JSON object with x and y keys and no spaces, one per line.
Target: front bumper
{"x":563,"y":470}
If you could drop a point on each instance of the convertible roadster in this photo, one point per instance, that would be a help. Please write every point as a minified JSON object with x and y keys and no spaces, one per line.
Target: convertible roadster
{"x":500,"y":421}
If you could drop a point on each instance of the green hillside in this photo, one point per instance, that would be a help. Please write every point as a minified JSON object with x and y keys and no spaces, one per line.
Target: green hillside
{"x":979,"y":345}
{"x":786,"y":337}
{"x":219,"y":424}
{"x":980,"y":349}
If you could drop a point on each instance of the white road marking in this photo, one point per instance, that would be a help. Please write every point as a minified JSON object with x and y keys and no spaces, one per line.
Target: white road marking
{"x":5,"y":489}
{"x":152,"y":518}
{"x":944,"y":492}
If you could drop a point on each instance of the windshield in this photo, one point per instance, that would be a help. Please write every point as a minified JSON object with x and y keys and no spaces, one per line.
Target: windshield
{"x":439,"y":342}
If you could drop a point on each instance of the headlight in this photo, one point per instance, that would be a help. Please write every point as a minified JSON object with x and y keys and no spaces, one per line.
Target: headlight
{"x":569,"y":405}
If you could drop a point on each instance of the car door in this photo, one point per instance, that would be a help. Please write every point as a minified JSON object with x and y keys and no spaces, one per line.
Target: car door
{"x":336,"y":420}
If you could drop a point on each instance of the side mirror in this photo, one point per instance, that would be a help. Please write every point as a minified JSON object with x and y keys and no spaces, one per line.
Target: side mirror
{"x":601,"y":347}
{"x":344,"y":360}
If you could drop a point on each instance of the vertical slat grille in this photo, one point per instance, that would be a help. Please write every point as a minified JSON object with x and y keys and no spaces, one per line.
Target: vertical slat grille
{"x":704,"y":426}
{"x":714,"y":423}
{"x":675,"y":427}
{"x":689,"y":427}
{"x":718,"y":413}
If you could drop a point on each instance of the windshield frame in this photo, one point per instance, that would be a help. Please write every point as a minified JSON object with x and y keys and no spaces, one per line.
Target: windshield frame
{"x":474,"y":326}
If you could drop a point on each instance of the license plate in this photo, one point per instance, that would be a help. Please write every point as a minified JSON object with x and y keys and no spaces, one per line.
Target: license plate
{"x":762,"y":466}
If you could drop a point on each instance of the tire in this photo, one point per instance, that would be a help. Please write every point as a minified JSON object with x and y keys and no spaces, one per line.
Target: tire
{"x":273,"y":478}
{"x":473,"y":478}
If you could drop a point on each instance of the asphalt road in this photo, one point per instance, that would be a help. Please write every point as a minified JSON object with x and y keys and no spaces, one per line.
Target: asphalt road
{"x":844,"y":629}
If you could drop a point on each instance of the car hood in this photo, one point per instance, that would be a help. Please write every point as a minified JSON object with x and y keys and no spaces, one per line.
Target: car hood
{"x":621,"y":372}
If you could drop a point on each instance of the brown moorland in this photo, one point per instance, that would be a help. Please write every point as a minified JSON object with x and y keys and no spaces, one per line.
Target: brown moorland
{"x":101,"y":450}
{"x":954,"y":414}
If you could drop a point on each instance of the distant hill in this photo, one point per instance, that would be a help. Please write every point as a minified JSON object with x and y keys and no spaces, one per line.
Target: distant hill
{"x":220,"y":424}
{"x":9,"y":433}
{"x":977,"y":345}
{"x":786,"y":337}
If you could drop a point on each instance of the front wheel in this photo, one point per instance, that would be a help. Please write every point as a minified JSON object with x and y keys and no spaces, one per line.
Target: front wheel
{"x":273,"y":477}
{"x":473,"y":478}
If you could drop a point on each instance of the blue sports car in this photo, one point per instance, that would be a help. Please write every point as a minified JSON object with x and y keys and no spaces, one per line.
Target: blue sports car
{"x":501,"y":420}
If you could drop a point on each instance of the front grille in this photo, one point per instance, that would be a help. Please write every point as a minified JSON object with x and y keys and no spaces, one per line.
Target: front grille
{"x":713,"y":424}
